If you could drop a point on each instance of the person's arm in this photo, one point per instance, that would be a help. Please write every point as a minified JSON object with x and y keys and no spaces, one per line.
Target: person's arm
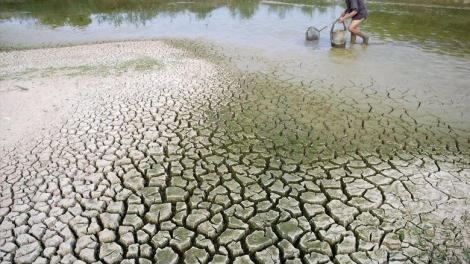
{"x":346,"y":16}
{"x":353,"y":7}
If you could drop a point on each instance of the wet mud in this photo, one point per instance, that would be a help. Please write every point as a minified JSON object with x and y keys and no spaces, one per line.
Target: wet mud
{"x":195,"y":153}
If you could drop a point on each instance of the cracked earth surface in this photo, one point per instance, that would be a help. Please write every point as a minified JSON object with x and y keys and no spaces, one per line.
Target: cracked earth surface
{"x":165,"y":157}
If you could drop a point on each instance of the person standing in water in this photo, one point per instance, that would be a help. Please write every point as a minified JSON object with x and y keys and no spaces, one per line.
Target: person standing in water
{"x":355,"y":9}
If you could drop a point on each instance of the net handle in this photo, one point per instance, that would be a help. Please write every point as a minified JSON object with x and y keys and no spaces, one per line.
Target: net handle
{"x":327,"y":25}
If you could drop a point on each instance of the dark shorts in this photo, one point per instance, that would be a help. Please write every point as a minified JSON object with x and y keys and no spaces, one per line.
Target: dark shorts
{"x":360,"y":16}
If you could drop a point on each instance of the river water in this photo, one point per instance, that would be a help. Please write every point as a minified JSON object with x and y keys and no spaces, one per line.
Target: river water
{"x":280,"y":24}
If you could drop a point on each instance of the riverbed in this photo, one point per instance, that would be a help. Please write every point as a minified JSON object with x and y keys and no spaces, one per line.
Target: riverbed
{"x":263,"y":148}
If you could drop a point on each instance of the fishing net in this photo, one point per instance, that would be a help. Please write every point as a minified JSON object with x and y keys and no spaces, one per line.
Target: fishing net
{"x":312,"y":34}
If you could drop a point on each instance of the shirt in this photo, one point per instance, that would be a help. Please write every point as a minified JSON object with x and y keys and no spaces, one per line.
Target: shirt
{"x":359,"y":6}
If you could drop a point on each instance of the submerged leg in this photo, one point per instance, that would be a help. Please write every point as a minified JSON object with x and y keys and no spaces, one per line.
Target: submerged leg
{"x":353,"y":38}
{"x":354,"y":29}
{"x":365,"y":38}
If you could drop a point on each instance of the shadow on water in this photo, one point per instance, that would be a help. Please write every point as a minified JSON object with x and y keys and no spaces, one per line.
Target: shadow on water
{"x":52,"y":23}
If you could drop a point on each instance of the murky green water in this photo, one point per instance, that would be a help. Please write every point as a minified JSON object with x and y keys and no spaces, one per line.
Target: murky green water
{"x":437,"y":26}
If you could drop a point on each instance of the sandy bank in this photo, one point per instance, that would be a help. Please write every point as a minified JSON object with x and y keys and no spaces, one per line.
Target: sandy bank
{"x":41,"y":88}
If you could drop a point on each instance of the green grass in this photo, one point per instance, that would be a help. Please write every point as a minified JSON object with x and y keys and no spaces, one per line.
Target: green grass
{"x":138,"y":65}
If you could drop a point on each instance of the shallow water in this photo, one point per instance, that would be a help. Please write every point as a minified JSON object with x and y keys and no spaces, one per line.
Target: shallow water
{"x":259,"y":23}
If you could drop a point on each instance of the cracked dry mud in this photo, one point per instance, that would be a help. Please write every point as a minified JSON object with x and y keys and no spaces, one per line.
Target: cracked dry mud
{"x":169,"y":158}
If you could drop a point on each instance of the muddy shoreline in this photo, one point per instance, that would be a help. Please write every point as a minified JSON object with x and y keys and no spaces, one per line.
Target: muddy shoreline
{"x":144,"y":151}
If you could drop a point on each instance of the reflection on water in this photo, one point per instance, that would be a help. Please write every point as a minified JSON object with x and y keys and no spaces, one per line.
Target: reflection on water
{"x":437,"y":25}
{"x":433,"y":27}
